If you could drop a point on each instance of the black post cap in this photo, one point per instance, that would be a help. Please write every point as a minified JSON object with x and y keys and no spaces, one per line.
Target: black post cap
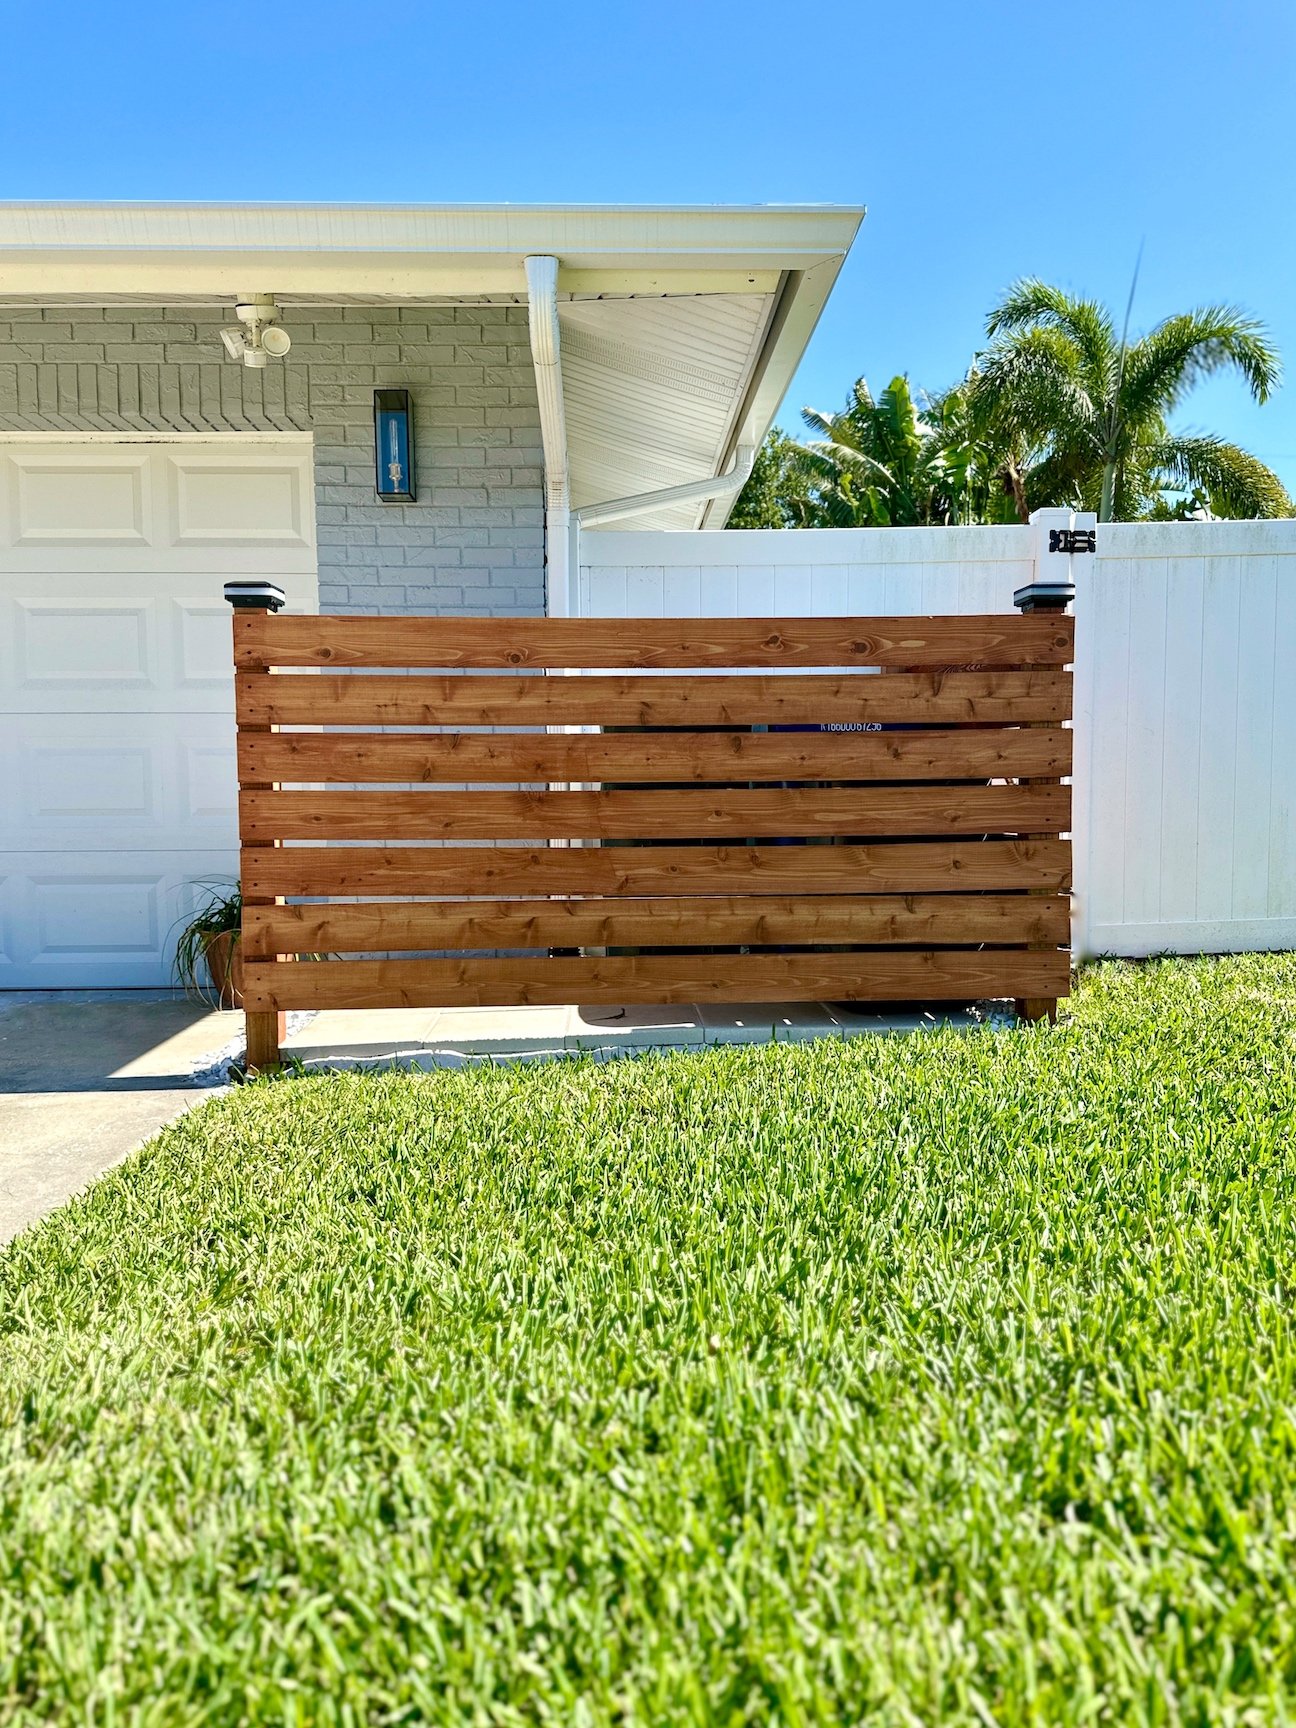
{"x":1052,"y":596}
{"x":255,"y":596}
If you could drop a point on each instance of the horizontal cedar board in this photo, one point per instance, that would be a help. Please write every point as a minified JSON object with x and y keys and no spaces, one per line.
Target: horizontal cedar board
{"x":961,"y":754}
{"x":875,"y":977}
{"x":860,"y":920}
{"x":931,"y":698}
{"x":772,"y":813}
{"x":899,"y":868}
{"x":549,"y":643}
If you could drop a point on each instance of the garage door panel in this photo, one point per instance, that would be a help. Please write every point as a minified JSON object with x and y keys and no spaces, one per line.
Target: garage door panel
{"x":99,"y":644}
{"x":117,"y":769}
{"x":58,"y":501}
{"x":126,"y":508}
{"x":202,"y":641}
{"x":109,"y":922}
{"x":83,"y":643}
{"x":226,"y":506}
{"x":100,"y":782}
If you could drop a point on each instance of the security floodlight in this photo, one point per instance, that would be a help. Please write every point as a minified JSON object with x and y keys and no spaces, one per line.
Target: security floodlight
{"x":259,"y":334}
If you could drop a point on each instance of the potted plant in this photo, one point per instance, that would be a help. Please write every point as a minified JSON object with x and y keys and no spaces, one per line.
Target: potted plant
{"x":208,"y":962}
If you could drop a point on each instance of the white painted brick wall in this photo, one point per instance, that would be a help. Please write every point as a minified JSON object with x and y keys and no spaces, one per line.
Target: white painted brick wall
{"x":474,"y":540}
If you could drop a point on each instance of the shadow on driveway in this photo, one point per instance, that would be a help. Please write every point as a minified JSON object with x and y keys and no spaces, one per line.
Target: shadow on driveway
{"x":84,"y":1079}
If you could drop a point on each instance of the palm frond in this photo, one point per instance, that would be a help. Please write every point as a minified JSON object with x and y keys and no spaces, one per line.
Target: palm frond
{"x":1033,"y":304}
{"x":861,"y":397}
{"x":1236,"y":483}
{"x":1032,"y":385}
{"x":828,"y":460}
{"x":1162,"y":367}
{"x":817,"y":421}
{"x":1059,"y":479}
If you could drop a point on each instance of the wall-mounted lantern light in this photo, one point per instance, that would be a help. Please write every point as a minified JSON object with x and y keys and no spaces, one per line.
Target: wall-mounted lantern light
{"x":393,"y":447}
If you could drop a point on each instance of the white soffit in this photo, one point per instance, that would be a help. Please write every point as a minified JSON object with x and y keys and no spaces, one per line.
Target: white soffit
{"x":680,"y":327}
{"x":651,"y":390}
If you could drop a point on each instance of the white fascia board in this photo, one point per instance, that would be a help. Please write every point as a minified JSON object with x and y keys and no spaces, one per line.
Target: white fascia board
{"x":415,"y":251}
{"x":329,"y":278}
{"x":792,"y":326}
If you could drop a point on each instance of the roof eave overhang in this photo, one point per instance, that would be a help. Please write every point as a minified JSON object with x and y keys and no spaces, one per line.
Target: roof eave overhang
{"x":99,"y":252}
{"x":317,"y":254}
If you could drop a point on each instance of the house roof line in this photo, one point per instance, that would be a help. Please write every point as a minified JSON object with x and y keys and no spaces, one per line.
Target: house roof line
{"x":769,"y":268}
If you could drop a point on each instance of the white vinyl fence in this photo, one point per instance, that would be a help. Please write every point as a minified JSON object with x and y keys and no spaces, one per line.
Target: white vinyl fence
{"x":1185,"y":785}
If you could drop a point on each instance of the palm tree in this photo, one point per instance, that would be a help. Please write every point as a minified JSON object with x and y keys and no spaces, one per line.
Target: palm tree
{"x":983,"y":468}
{"x":877,"y":463}
{"x":883,"y":462}
{"x":1092,"y":410}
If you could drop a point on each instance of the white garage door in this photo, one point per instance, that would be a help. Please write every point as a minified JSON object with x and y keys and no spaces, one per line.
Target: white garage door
{"x":116,"y":711}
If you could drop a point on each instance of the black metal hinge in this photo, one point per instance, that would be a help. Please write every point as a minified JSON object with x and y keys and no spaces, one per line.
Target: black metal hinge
{"x":1073,"y":540}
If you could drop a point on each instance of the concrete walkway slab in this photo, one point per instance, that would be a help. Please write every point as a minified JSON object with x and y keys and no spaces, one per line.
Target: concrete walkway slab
{"x":85,"y":1079}
{"x":416,"y":1038}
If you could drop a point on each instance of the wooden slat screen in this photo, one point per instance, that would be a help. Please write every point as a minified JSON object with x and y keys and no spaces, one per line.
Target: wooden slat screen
{"x":867,"y":809}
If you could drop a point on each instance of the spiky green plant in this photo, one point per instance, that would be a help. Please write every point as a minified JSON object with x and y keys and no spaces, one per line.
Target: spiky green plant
{"x":220,"y":913}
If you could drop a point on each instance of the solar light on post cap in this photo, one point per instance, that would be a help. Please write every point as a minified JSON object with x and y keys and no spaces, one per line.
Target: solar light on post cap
{"x":1053,"y":596}
{"x":393,"y":447}
{"x":255,"y":596}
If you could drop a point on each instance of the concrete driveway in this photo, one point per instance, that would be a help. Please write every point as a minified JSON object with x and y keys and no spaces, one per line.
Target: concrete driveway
{"x":84,"y":1079}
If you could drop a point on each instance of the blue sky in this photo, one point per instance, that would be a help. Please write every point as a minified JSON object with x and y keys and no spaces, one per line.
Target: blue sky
{"x":987,"y":139}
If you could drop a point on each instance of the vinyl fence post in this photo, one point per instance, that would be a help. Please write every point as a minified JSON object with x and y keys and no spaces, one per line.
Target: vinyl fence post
{"x":265,"y":1029}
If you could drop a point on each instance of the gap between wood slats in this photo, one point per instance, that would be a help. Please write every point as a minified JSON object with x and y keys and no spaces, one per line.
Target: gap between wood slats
{"x":649,"y":643}
{"x":792,"y":813}
{"x":899,"y":867}
{"x":905,"y":698}
{"x":961,"y":754}
{"x":915,"y":919}
{"x":675,"y":978}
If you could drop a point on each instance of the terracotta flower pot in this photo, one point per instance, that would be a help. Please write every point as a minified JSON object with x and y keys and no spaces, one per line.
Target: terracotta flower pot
{"x":225,"y":968}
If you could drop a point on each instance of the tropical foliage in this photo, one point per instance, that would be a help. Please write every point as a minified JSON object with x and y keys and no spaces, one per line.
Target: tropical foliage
{"x":1093,"y":409}
{"x":885,"y":462}
{"x":778,"y":491}
{"x":876,"y":464}
{"x":1058,"y":410}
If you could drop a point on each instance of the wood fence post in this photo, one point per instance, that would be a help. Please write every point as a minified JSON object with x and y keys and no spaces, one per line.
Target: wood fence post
{"x":265,"y":1029}
{"x":1042,"y":595}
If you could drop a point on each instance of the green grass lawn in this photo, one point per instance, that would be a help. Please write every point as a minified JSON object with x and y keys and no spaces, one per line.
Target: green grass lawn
{"x":931,"y":1380}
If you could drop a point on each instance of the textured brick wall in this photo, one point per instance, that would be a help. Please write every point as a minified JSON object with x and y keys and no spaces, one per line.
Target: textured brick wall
{"x":473,"y":542}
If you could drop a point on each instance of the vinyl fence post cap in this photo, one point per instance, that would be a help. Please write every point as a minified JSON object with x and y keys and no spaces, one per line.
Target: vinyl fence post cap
{"x":258,"y":596}
{"x":1044,"y":596}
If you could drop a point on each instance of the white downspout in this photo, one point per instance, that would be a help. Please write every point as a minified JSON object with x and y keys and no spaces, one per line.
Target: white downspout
{"x":692,"y":492}
{"x":562,"y":523}
{"x":542,"y":312}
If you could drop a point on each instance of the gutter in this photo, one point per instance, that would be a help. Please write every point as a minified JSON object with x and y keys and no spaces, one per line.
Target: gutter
{"x":560,"y":518}
{"x":542,"y":315}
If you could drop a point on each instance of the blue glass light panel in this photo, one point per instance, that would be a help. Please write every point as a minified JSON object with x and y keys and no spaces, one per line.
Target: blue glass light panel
{"x":393,"y":446}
